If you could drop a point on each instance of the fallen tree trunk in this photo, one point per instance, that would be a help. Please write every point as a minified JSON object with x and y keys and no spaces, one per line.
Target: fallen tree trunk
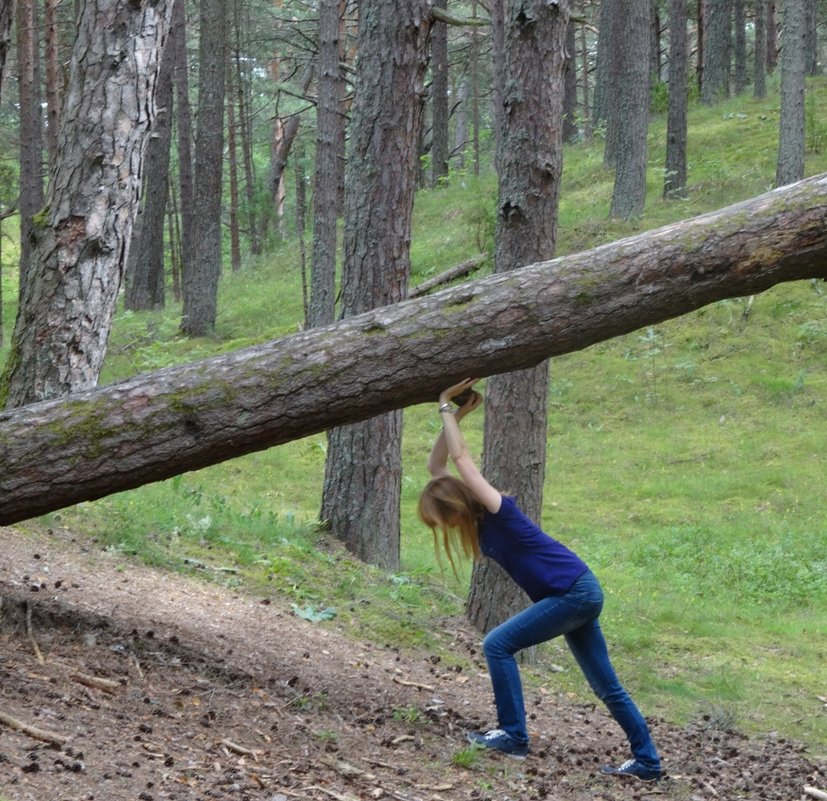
{"x":154,"y":426}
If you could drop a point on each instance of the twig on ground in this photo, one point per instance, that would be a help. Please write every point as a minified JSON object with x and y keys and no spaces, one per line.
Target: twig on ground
{"x":412,"y":684}
{"x":332,"y":793}
{"x":30,"y":634}
{"x":236,"y":748}
{"x":138,"y":667}
{"x":98,"y":682}
{"x":815,"y":793}
{"x":33,"y":731}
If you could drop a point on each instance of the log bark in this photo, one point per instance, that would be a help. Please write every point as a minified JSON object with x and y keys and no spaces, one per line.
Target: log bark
{"x":154,"y":426}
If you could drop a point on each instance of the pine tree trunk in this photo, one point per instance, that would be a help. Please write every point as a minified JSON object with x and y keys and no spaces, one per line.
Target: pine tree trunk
{"x":6,"y":18}
{"x":812,"y":65}
{"x":791,"y":132}
{"x":717,"y":50}
{"x":439,"y":98}
{"x":529,"y":165}
{"x":632,"y":98}
{"x":158,"y":425}
{"x":282,"y":148}
{"x":587,"y":110}
{"x":202,"y":263}
{"x":80,"y":241}
{"x":674,"y":181}
{"x":771,"y":34}
{"x":739,"y":22}
{"x":759,"y":79}
{"x":232,"y":154}
{"x":53,"y":82}
{"x":30,"y":200}
{"x":363,"y":470}
{"x":475,"y":90}
{"x":257,"y":225}
{"x":570,"y":130}
{"x":183,"y":118}
{"x":145,"y":277}
{"x":326,"y":203}
{"x":461,"y":125}
{"x":601,"y":96}
{"x":610,"y":76}
{"x":654,"y":44}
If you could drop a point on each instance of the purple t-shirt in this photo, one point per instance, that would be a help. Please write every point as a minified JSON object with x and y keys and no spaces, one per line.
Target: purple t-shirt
{"x":538,"y":563}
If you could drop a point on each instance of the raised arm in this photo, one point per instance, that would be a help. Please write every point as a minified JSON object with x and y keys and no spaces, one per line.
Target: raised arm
{"x":451,"y":445}
{"x":438,"y":460}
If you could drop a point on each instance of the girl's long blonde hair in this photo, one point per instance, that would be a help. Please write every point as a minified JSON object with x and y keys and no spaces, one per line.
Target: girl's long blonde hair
{"x":448,"y":506}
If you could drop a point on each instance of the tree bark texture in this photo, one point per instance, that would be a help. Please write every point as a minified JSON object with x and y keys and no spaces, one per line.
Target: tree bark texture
{"x":145,"y":278}
{"x":740,"y":52}
{"x":183,"y":123}
{"x":30,"y":132}
{"x":812,"y":65}
{"x":6,"y":18}
{"x":654,"y":44}
{"x":570,"y":123}
{"x":632,"y":111}
{"x":439,"y":98}
{"x":717,"y":53}
{"x":771,"y":36}
{"x":57,"y":453}
{"x":80,"y":240}
{"x":232,"y":165}
{"x":674,"y":179}
{"x":790,"y":166}
{"x":363,"y":469}
{"x":529,"y":165}
{"x":330,"y":132}
{"x":202,"y":263}
{"x":600,"y":97}
{"x":282,"y":148}
{"x":610,"y":75}
{"x":759,"y":76}
{"x":53,"y":77}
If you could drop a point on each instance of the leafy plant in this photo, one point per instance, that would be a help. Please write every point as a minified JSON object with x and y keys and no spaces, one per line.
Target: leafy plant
{"x":312,"y":614}
{"x":407,"y":714}
{"x":466,"y":757}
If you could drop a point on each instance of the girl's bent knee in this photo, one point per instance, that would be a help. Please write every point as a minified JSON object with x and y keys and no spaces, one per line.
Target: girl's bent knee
{"x":494,"y":647}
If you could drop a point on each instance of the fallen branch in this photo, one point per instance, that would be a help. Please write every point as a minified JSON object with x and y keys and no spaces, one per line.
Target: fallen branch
{"x":814,"y":793}
{"x":236,"y":748}
{"x":416,"y":684}
{"x":30,"y":634}
{"x":459,"y":271}
{"x":33,"y":731}
{"x":331,"y":793}
{"x":137,"y":667}
{"x":98,"y":682}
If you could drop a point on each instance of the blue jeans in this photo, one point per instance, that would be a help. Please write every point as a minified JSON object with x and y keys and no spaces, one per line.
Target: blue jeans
{"x":575,"y":616}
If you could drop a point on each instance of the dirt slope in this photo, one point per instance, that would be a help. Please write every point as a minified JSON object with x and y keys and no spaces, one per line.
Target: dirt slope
{"x":211,"y":694}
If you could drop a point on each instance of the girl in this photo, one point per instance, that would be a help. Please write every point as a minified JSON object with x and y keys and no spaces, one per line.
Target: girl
{"x":567,"y":599}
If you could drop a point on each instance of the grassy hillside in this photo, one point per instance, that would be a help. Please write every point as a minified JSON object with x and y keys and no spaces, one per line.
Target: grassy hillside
{"x":686,"y":461}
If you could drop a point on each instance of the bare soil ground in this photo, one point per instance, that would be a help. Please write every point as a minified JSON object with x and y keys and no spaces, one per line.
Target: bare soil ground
{"x":212,"y":694}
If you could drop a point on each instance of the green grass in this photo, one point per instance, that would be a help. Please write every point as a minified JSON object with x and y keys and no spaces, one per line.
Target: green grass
{"x":686,"y":461}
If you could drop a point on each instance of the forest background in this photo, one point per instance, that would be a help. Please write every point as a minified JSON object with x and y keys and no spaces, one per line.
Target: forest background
{"x":708,"y":532}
